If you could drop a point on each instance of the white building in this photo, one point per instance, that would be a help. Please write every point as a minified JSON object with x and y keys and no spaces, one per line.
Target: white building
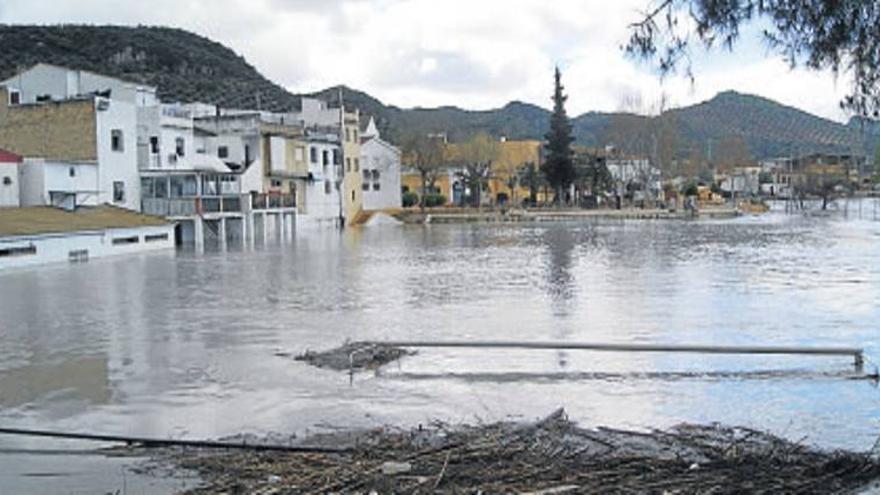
{"x":46,"y":82}
{"x":319,"y":197}
{"x":9,"y":179}
{"x":106,"y":134}
{"x":380,"y":164}
{"x":42,"y":234}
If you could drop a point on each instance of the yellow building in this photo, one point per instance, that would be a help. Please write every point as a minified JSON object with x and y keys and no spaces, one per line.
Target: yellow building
{"x":284,"y":153}
{"x":352,"y":181}
{"x":512,"y":155}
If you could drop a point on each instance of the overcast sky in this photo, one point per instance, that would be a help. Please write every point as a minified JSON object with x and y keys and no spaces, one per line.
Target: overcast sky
{"x":476,"y":54}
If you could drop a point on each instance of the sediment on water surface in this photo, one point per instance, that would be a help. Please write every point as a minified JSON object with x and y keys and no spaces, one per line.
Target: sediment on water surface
{"x":354,"y":355}
{"x":552,"y":455}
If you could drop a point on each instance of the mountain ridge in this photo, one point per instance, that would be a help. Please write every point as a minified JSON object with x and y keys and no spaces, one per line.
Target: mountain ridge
{"x":187,"y":67}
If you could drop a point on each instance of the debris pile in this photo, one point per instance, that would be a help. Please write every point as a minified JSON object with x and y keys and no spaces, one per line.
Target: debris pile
{"x":549,"y":456}
{"x":355,"y":355}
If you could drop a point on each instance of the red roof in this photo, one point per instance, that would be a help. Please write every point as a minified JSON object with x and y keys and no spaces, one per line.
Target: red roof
{"x":9,"y":157}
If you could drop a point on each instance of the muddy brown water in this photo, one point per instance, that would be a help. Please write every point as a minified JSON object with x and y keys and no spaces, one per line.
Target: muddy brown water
{"x":200,"y":345}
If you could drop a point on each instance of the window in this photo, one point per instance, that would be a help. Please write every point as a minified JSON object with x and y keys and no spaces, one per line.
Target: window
{"x":347,"y":134}
{"x":365,"y":186}
{"x":154,"y":145}
{"x":276,"y":183}
{"x":126,"y":240}
{"x":357,"y":164}
{"x":222,"y":152}
{"x":78,"y":255}
{"x":348,"y":164}
{"x":366,"y":174}
{"x":18,"y":251}
{"x":14,"y":97}
{"x":71,"y":172}
{"x":313,"y":155}
{"x":7,"y":181}
{"x":375,"y":174}
{"x":376,"y":186}
{"x":327,"y":187}
{"x":336,"y":157}
{"x":155,"y":237}
{"x":352,"y":194}
{"x":118,"y":191}
{"x":116,"y":142}
{"x":325,"y":157}
{"x":355,"y":133}
{"x":180,"y":146}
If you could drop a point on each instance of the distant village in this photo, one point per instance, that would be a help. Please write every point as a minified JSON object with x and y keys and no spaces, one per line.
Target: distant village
{"x":92,"y":166}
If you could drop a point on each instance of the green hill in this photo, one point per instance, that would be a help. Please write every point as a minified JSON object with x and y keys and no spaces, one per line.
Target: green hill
{"x":187,"y":67}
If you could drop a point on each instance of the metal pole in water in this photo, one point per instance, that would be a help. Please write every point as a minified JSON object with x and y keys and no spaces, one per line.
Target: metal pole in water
{"x":856,"y":353}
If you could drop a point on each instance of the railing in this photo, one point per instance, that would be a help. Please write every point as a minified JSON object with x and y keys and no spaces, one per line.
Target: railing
{"x":265,"y":201}
{"x":184,"y":207}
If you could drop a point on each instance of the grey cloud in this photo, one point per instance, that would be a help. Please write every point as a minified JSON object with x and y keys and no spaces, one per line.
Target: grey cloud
{"x":452,"y":72}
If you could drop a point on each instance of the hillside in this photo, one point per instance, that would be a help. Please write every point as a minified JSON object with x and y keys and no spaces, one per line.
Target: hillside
{"x":187,"y":67}
{"x":183,"y":65}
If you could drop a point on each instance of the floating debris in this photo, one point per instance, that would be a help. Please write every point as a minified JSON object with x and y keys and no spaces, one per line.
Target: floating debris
{"x":552,"y":455}
{"x":355,"y":355}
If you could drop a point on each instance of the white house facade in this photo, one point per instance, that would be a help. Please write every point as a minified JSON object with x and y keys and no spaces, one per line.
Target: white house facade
{"x":380,"y":166}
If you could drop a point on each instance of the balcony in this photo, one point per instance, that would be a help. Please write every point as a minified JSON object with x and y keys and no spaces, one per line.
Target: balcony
{"x":185,"y":207}
{"x":268,"y":201}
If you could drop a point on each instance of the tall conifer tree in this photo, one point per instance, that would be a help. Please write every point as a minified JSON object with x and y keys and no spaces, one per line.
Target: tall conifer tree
{"x":558,"y":167}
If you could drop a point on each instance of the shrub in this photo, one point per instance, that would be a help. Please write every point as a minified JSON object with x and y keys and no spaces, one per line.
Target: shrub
{"x":690,"y":189}
{"x":432,"y":200}
{"x":410,"y":199}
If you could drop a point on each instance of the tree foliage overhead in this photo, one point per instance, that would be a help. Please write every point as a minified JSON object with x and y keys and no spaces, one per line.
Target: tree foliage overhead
{"x":841,"y":35}
{"x":559,"y":166}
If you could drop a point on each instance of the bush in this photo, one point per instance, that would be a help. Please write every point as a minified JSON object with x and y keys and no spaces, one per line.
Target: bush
{"x":690,"y":189}
{"x":432,"y":200}
{"x":410,"y":199}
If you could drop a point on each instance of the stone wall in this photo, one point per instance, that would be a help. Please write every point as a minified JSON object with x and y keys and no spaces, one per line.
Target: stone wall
{"x":52,"y":130}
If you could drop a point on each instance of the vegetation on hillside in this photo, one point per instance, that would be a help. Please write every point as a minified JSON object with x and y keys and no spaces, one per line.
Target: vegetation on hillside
{"x":187,"y":67}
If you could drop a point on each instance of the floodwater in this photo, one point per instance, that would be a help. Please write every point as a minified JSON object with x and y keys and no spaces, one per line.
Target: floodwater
{"x":190,"y":345}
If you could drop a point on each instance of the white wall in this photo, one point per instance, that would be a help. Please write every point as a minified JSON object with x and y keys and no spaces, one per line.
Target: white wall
{"x":278,"y":154}
{"x":315,"y":112}
{"x":40,"y":177}
{"x":321,"y":207}
{"x":118,"y":165}
{"x":57,"y":248}
{"x":63,"y":83}
{"x":379,"y":155}
{"x":9,"y":193}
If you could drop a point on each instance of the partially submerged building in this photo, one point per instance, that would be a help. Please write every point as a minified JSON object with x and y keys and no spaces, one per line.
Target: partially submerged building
{"x":44,"y":234}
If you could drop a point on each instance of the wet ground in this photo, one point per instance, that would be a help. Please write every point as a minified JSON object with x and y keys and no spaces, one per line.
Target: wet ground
{"x":195,"y":345}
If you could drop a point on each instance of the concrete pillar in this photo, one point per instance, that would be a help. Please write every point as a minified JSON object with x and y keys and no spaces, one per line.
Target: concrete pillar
{"x":221,"y":233}
{"x":282,"y":227}
{"x":199,"y":234}
{"x":265,"y":228}
{"x":248,"y":229}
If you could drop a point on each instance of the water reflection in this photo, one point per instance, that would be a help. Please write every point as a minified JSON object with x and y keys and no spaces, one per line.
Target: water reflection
{"x":188,"y":344}
{"x":83,"y":379}
{"x":559,"y":241}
